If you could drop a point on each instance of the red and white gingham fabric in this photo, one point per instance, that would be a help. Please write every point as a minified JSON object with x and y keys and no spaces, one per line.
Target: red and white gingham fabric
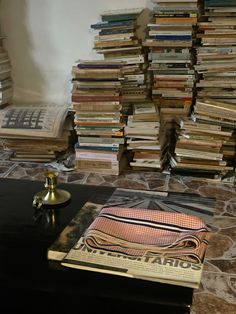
{"x":145,"y":232}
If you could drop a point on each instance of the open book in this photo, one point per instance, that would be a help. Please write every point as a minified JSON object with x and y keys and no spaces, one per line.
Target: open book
{"x":164,"y":269}
{"x":38,"y":132}
{"x":32,"y":120}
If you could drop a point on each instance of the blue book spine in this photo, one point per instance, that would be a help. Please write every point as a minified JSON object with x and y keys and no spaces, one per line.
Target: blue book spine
{"x":220,"y":3}
{"x":98,"y":66}
{"x":173,"y":37}
{"x":109,"y":149}
{"x":101,"y":25}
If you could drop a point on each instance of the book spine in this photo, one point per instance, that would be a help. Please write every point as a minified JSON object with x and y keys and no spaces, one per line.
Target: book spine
{"x":95,"y":98}
{"x":96,"y":164}
{"x":85,"y":156}
{"x":81,"y":146}
{"x":101,"y":140}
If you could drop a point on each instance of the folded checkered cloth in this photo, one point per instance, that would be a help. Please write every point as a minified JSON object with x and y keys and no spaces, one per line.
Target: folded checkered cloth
{"x":145,"y":232}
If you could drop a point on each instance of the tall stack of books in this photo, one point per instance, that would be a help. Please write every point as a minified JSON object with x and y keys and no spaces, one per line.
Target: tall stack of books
{"x":142,"y":134}
{"x":120,"y":39}
{"x":170,"y":40}
{"x":216,"y":56}
{"x":98,"y":124}
{"x":6,"y":90}
{"x":216,"y":68}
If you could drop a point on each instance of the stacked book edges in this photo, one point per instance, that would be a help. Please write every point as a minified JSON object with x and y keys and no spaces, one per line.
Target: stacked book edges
{"x":216,"y":72}
{"x":119,"y":38}
{"x":142,"y":137}
{"x":205,"y":143}
{"x":6,"y":84}
{"x":170,"y":39}
{"x":36,"y":132}
{"x":98,"y":118}
{"x":216,"y":52}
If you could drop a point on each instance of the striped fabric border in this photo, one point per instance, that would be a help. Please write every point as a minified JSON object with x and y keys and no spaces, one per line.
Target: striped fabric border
{"x":146,"y":232}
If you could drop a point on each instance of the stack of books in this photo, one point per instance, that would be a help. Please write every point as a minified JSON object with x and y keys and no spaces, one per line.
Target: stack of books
{"x":216,"y":55}
{"x":6,"y":89}
{"x":222,"y":114}
{"x":120,"y":39}
{"x":98,"y":122}
{"x":35,"y":132}
{"x":199,"y":149}
{"x":142,"y":137}
{"x":216,"y":69}
{"x":170,"y":40}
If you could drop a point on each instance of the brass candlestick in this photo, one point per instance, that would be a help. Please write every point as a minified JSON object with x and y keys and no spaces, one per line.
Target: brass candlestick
{"x":52,"y":195}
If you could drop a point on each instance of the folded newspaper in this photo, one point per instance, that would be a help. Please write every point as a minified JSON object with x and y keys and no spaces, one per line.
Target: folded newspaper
{"x":141,"y":243}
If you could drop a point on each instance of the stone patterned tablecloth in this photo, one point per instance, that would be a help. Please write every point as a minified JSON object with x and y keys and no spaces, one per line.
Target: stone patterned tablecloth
{"x":217,"y":293}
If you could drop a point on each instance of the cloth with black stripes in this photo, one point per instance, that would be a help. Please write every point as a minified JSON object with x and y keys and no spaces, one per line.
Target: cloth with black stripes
{"x":149,"y":232}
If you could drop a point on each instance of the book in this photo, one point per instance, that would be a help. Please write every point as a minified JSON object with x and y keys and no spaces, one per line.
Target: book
{"x":166,"y":43}
{"x":96,"y":73}
{"x":115,"y":43}
{"x":99,"y":140}
{"x":37,"y":120}
{"x":201,"y":154}
{"x":176,"y":1}
{"x":154,"y":164}
{"x":104,"y":166}
{"x":102,"y":106}
{"x":120,"y":12}
{"x":161,"y":269}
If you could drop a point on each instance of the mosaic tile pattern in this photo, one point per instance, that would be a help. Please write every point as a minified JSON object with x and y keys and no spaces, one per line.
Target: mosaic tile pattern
{"x":217,"y":293}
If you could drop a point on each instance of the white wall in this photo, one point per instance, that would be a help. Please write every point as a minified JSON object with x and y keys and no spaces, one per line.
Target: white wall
{"x":46,"y":37}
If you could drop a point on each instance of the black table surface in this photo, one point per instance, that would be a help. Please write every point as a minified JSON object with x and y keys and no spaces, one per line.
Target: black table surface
{"x":31,"y":283}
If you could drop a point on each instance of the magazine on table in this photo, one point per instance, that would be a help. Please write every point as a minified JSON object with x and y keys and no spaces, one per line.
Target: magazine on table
{"x":160,"y":269}
{"x":165,"y":268}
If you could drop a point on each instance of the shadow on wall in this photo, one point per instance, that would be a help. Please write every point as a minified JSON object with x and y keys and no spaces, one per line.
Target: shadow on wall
{"x":149,"y":4}
{"x":20,"y":23}
{"x":44,"y":39}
